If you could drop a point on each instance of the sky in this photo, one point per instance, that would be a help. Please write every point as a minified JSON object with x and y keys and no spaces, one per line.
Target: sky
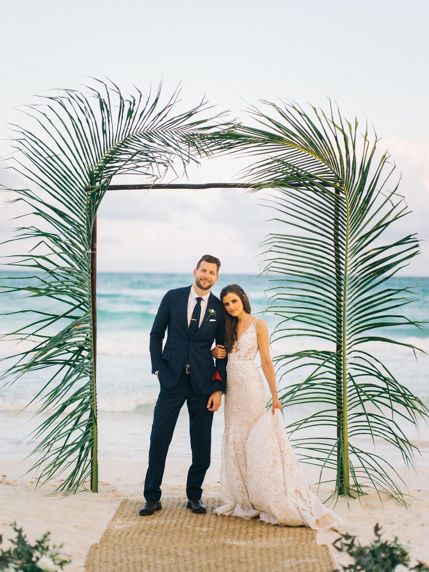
{"x":368,"y":56}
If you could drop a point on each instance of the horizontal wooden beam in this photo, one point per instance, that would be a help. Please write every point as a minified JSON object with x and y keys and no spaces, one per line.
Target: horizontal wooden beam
{"x":181,"y":186}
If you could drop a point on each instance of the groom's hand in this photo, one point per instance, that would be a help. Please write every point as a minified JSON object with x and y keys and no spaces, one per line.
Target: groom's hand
{"x":215,"y":401}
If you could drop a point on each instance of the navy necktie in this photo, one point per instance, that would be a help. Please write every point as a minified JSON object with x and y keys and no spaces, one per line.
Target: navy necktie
{"x":195,"y":318}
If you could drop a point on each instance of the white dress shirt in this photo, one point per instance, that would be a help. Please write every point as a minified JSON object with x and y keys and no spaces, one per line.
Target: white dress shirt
{"x":192,"y":301}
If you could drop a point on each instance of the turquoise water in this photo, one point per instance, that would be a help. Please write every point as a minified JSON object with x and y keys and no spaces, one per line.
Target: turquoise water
{"x":127,"y":391}
{"x":126,"y":306}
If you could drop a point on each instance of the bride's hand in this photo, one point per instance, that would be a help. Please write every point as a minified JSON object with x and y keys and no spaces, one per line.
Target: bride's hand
{"x":276,"y":405}
{"x":219,"y":352}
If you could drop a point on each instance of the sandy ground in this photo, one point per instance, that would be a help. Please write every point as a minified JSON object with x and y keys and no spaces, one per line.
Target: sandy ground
{"x":77,"y":521}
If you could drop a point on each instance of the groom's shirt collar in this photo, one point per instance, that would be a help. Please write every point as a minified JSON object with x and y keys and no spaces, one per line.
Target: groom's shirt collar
{"x":194,"y":295}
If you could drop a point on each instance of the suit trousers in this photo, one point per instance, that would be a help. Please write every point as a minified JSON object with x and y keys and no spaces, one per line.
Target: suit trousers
{"x":167,"y":408}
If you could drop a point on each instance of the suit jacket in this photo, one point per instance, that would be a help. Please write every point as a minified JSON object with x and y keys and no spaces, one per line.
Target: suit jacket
{"x":181,"y":348}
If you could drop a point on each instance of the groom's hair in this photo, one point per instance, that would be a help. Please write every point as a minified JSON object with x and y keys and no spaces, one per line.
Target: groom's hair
{"x":209,"y":258}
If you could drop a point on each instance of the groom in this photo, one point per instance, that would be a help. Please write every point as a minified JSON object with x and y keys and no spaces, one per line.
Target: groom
{"x":186,"y":372}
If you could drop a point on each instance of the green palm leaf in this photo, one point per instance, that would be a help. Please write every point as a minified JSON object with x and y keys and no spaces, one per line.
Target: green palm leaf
{"x":76,"y":143}
{"x":329,"y":267}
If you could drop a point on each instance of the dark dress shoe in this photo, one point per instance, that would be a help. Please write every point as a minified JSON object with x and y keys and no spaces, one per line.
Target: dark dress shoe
{"x":150,"y":507}
{"x":196,"y":506}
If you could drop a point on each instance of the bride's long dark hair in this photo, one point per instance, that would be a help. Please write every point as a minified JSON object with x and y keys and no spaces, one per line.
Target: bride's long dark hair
{"x":230,"y":321}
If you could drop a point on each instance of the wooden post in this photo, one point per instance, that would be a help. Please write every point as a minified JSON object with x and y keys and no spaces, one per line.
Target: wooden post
{"x":94,"y":412}
{"x":94,"y":288}
{"x":177,"y":186}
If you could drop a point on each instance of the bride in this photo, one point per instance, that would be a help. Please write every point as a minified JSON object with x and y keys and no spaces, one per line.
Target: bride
{"x":260,"y":476}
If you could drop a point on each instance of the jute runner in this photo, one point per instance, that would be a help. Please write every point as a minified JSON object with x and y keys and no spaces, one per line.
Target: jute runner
{"x":176,"y":539}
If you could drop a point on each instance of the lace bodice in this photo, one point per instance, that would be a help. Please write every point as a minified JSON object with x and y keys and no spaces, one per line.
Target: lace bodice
{"x":246,"y":347}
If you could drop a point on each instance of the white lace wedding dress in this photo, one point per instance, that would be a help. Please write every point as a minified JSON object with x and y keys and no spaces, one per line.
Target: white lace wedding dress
{"x":260,"y":476}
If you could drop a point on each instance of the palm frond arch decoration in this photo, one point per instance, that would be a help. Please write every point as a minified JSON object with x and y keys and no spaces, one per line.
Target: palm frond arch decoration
{"x":329,"y":266}
{"x":327,"y":189}
{"x":77,"y":144}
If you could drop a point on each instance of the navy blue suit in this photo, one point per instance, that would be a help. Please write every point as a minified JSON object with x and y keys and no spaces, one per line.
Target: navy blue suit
{"x":176,"y":387}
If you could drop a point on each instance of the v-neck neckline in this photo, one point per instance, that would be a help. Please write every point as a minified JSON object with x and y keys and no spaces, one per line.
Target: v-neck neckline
{"x":244,"y":331}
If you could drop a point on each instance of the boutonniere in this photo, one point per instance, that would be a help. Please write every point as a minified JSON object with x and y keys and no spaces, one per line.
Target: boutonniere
{"x":211,"y":314}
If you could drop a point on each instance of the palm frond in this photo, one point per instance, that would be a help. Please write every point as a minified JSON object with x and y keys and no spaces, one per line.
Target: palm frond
{"x":74,"y":145}
{"x":329,"y":265}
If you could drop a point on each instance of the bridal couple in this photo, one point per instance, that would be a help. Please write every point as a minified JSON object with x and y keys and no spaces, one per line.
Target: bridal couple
{"x":260,"y":475}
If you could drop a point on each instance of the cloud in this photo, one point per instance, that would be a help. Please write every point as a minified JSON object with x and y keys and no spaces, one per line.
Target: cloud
{"x":412,"y":160}
{"x":174,"y":245}
{"x":167,"y":230}
{"x":161,"y":204}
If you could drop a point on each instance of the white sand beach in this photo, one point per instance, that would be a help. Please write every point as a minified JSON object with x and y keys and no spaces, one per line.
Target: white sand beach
{"x":79,"y":520}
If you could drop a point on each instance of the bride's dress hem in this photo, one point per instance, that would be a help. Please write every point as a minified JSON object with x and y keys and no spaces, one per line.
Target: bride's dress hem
{"x":324,"y":521}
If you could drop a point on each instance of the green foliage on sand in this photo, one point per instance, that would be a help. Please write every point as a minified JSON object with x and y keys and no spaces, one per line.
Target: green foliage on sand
{"x":379,"y":556}
{"x":24,"y":556}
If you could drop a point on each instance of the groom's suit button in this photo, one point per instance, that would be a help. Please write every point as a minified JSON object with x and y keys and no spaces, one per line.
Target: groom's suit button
{"x":150,"y":507}
{"x":196,"y":506}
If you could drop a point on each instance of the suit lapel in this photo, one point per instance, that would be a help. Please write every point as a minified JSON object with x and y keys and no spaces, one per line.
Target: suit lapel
{"x":184,"y":308}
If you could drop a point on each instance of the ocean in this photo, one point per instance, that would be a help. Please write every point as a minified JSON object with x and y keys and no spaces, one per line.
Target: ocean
{"x":126,"y":306}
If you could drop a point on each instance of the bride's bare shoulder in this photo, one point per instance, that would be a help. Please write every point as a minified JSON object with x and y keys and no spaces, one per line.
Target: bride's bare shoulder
{"x":260,"y":324}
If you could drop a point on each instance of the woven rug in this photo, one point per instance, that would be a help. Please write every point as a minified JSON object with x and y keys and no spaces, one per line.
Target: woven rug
{"x":176,"y":539}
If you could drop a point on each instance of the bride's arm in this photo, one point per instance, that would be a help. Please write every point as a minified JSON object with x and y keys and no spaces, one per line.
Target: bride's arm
{"x":266,"y":361}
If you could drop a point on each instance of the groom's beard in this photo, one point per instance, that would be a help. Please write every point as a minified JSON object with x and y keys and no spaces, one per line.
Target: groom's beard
{"x":204,"y":286}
